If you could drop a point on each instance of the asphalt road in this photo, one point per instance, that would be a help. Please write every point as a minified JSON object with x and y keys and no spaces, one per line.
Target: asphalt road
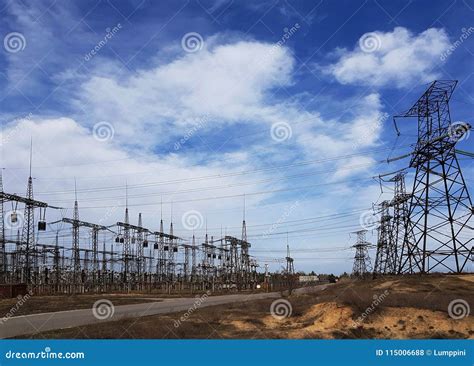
{"x":35,"y":323}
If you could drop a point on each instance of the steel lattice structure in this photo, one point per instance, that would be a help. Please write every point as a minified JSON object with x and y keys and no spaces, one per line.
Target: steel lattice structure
{"x":3,"y":259}
{"x":440,"y":208}
{"x":386,"y":257}
{"x":362,"y":265}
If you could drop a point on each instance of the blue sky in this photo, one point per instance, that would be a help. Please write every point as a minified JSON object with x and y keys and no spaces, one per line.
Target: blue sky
{"x":279,"y":100}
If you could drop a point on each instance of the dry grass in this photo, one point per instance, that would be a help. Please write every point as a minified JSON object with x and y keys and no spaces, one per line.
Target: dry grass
{"x":44,"y":304}
{"x":415,"y":307}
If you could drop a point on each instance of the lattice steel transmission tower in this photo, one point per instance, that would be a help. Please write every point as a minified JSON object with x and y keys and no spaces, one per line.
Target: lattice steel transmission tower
{"x":140,"y":253}
{"x":171,"y":250}
{"x":76,"y":255}
{"x":3,"y":258}
{"x":440,"y":208}
{"x":362,"y":265}
{"x":401,"y":219}
{"x":193,"y":259}
{"x":126,"y":253}
{"x":28,"y":233}
{"x":385,"y":260}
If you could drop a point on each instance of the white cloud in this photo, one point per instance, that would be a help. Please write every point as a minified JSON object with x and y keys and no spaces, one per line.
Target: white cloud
{"x":64,"y":150}
{"x":336,"y":137}
{"x":398,"y":57}
{"x":225,"y":83}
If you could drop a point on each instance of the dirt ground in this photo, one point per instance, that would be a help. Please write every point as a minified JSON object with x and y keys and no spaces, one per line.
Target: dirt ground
{"x":44,"y":304}
{"x":390,"y":308}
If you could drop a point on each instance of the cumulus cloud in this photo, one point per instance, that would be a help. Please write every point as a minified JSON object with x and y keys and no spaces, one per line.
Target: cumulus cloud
{"x":64,"y":150}
{"x":339,"y":137}
{"x":226,"y":83}
{"x":398,"y":57}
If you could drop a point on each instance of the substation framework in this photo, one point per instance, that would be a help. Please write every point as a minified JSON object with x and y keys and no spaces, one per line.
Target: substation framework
{"x":429,"y":229}
{"x":128,"y":258}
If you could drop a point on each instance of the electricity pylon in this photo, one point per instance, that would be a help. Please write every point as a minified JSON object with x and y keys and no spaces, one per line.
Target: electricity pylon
{"x":440,"y":207}
{"x":362,"y":265}
{"x":385,"y":260}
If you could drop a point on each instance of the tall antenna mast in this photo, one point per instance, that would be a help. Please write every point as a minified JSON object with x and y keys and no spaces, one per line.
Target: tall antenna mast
{"x":31,"y":153}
